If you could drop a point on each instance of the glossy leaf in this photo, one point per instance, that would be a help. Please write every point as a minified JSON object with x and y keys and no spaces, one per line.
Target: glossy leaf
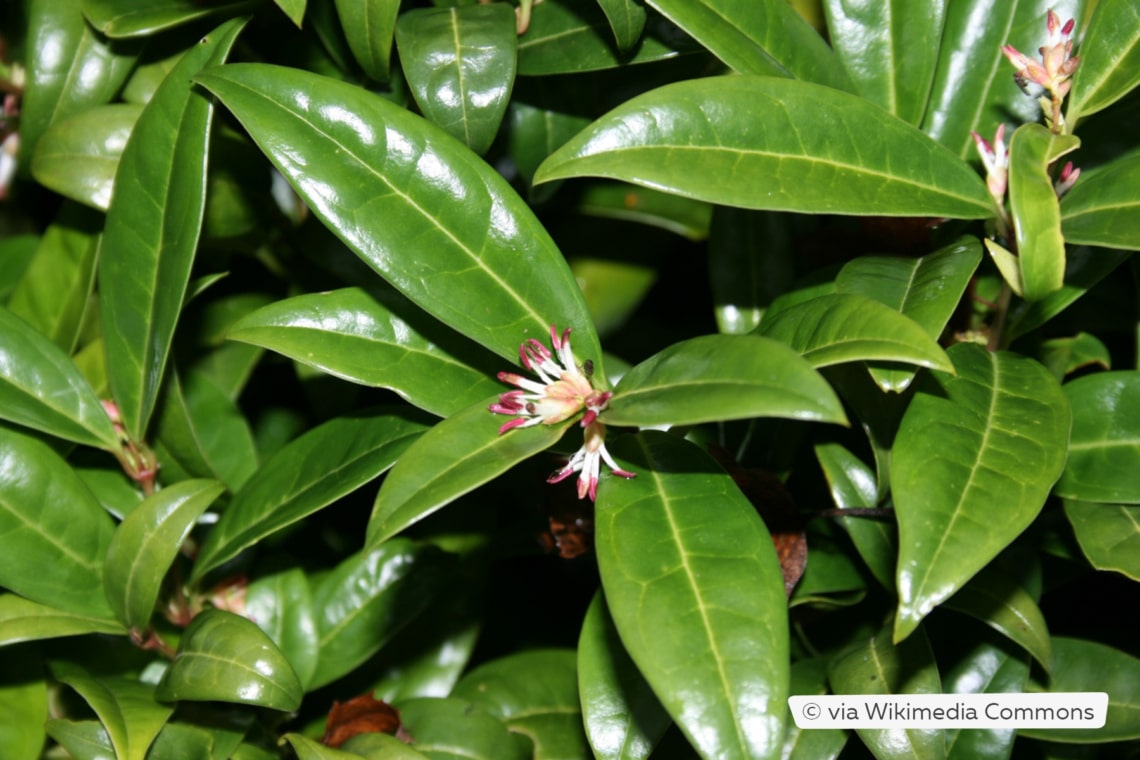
{"x":817,"y":150}
{"x":763,"y":37}
{"x":534,"y":693}
{"x":1080,"y":665}
{"x":1084,"y":269}
{"x":1105,"y":443}
{"x":681,"y":543}
{"x":615,"y":200}
{"x":325,"y":464}
{"x":125,"y":18}
{"x":483,"y":263}
{"x":368,"y":27}
{"x":889,"y":50}
{"x":460,"y":66}
{"x":126,"y":707}
{"x":362,"y":603}
{"x":1066,"y":355}
{"x":24,"y":620}
{"x":809,"y":676}
{"x":83,"y":739}
{"x":282,"y":605}
{"x":622,"y":717}
{"x":294,"y":9}
{"x":722,"y":377}
{"x":447,"y":729}
{"x":1034,"y":207}
{"x":1110,"y":59}
{"x":179,"y":740}
{"x":536,"y":132}
{"x":1102,"y":207}
{"x":377,"y":746}
{"x":226,"y":658}
{"x":973,"y":85}
{"x":307,"y":749}
{"x":995,"y":433}
{"x":613,"y":290}
{"x":146,"y":543}
{"x":54,"y":532}
{"x":1109,"y":535}
{"x":41,"y":388}
{"x":843,"y":327}
{"x":990,"y":669}
{"x":16,"y":252}
{"x":1000,"y":602}
{"x":456,"y":456}
{"x":23,"y":704}
{"x":153,"y":224}
{"x":877,"y":666}
{"x":384,"y":343}
{"x":70,"y":69}
{"x":627,"y":20}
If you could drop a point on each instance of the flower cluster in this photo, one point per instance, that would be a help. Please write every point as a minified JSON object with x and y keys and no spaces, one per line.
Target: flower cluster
{"x":1055,"y":70}
{"x":563,"y":390}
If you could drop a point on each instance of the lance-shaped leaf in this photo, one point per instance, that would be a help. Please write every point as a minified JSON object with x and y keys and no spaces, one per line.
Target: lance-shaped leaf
{"x":1110,"y":59}
{"x":535,"y":694}
{"x":889,"y":49}
{"x":83,"y":739}
{"x":226,"y":658}
{"x":153,"y":224}
{"x":622,"y":717}
{"x":294,"y":9}
{"x":460,"y":66}
{"x":127,"y":18}
{"x":54,"y":533}
{"x":843,"y":327}
{"x":24,"y":620}
{"x":368,"y":598}
{"x":1104,"y":451}
{"x":1109,"y":535}
{"x":368,"y":28}
{"x":816,"y":150}
{"x":1084,"y":269}
{"x":627,"y":19}
{"x":999,"y":601}
{"x":78,"y":156}
{"x":315,"y":470}
{"x":1103,"y":208}
{"x":446,"y":728}
{"x":877,"y":666}
{"x":722,"y":377}
{"x":282,"y":605}
{"x":386,"y":343}
{"x":758,"y":37}
{"x":1035,"y":210}
{"x":41,"y":388}
{"x":987,"y":668}
{"x":973,"y":86}
{"x":436,"y":221}
{"x":809,"y":676}
{"x":308,"y":749}
{"x":996,"y":433}
{"x":696,"y":593}
{"x":126,"y":707}
{"x":146,"y":543}
{"x":456,"y":456}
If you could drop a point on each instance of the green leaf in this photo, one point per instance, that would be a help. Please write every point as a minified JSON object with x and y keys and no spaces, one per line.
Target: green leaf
{"x":1109,"y":535}
{"x":995,"y":433}
{"x":1104,"y":449}
{"x":294,"y":9}
{"x":322,"y":466}
{"x":460,"y":67}
{"x":126,"y":707}
{"x":985,"y":669}
{"x":1110,"y":59}
{"x":696,"y":593}
{"x":126,"y":18}
{"x":177,"y":741}
{"x":1083,"y":270}
{"x":999,"y":601}
{"x":817,"y":150}
{"x":227,"y":658}
{"x":23,"y":704}
{"x":1080,"y":665}
{"x":534,"y":693}
{"x":876,"y":666}
{"x":1035,"y":209}
{"x":617,"y":200}
{"x":282,"y":605}
{"x":572,"y":36}
{"x":1102,"y":208}
{"x":153,"y":224}
{"x":484,"y":264}
{"x":722,"y":377}
{"x":145,"y":544}
{"x":16,"y":252}
{"x":627,"y":20}
{"x":376,"y":746}
{"x":751,"y":262}
{"x":362,"y":603}
{"x":889,"y":50}
{"x":368,"y":27}
{"x":83,"y":740}
{"x":453,"y":729}
{"x":844,"y":327}
{"x":1066,"y":355}
{"x":973,"y":85}
{"x":24,"y":620}
{"x":831,"y":578}
{"x":535,"y":133}
{"x":622,"y":717}
{"x":307,"y":749}
{"x":613,"y":290}
{"x":765,"y":37}
{"x":41,"y":388}
{"x":456,"y":456}
{"x":384,"y":343}
{"x":809,"y":677}
{"x":54,"y":532}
